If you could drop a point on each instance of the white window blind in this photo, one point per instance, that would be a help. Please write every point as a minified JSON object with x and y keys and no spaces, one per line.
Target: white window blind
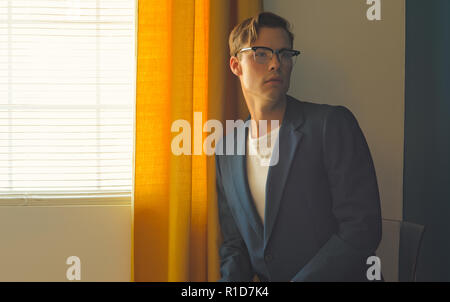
{"x":67,"y":89}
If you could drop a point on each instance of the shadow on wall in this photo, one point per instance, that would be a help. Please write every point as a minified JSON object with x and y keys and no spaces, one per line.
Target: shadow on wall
{"x":427,"y":128}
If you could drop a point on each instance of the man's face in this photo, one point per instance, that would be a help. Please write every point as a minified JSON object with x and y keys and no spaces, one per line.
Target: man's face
{"x":264,"y":81}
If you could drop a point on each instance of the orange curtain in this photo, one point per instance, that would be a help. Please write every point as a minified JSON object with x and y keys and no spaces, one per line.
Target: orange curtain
{"x":182,"y":68}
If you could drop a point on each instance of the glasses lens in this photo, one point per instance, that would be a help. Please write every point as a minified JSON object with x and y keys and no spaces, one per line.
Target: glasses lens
{"x":262,"y":56}
{"x":288,"y":57}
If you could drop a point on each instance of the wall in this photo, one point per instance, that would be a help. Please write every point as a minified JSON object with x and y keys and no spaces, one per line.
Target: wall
{"x":350,"y":61}
{"x":427,"y":128}
{"x":37,"y":240}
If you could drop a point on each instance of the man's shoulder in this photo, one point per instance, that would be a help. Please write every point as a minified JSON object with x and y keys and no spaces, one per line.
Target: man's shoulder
{"x":309,"y":108}
{"x":313,"y":111}
{"x":235,"y":132}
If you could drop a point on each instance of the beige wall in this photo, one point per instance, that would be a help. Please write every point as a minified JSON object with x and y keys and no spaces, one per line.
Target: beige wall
{"x":37,"y":240}
{"x":350,"y":61}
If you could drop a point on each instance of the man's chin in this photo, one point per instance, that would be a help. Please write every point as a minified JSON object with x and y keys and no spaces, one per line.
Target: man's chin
{"x":276,"y":95}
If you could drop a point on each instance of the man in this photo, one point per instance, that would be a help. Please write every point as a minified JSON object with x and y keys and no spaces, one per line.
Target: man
{"x":315,"y":214}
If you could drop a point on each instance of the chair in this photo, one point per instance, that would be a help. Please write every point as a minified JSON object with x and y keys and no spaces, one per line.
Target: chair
{"x":399,"y":250}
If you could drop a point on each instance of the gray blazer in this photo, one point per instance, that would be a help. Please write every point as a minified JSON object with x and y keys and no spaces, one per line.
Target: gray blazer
{"x":322,"y":214}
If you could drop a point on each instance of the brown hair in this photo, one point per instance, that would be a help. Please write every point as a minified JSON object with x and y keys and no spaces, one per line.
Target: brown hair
{"x":247,"y":31}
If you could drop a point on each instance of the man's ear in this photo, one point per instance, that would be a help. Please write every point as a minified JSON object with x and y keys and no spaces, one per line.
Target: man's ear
{"x":235,"y":66}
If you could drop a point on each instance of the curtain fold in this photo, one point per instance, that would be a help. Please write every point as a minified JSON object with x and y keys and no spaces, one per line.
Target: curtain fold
{"x":182,"y":71}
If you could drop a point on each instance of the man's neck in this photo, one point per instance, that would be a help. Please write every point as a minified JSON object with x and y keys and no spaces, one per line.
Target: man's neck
{"x":266,"y":111}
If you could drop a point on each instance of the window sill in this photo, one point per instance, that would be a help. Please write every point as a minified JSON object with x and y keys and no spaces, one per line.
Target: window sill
{"x":69,"y":199}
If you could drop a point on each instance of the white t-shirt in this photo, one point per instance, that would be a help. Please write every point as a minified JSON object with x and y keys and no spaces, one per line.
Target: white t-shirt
{"x":258,"y":159}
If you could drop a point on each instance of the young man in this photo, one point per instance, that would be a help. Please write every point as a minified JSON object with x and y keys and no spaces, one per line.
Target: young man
{"x":315,"y":214}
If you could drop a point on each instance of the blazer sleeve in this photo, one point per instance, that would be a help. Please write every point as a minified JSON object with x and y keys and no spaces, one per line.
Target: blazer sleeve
{"x":235,"y":265}
{"x":355,"y":203}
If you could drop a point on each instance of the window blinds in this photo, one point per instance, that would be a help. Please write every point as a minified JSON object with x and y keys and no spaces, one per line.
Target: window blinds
{"x":67,"y":90}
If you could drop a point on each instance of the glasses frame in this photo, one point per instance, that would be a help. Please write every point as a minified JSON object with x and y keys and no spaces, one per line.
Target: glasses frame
{"x":277,"y":52}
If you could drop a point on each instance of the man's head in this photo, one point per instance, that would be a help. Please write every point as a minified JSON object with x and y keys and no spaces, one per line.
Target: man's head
{"x":262,"y":77}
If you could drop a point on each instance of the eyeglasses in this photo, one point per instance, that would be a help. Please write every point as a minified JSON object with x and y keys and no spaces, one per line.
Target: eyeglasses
{"x":263,"y":55}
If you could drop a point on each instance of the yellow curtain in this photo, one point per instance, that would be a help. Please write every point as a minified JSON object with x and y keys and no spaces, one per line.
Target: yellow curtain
{"x":182,"y":68}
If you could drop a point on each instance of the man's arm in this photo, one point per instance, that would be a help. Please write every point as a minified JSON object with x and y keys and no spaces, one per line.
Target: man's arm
{"x":356,"y":203}
{"x":235,"y":263}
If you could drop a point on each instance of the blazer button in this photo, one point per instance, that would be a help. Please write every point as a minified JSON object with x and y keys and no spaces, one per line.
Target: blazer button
{"x":268,"y":257}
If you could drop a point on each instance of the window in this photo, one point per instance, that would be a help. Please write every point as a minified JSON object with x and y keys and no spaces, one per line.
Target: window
{"x":67,"y":91}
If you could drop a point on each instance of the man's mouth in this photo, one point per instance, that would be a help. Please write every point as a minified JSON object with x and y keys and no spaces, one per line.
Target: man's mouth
{"x":279,"y":80}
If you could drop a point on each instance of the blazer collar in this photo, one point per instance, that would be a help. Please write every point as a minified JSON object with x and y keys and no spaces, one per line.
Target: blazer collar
{"x":289,"y":137}
{"x":293,"y":117}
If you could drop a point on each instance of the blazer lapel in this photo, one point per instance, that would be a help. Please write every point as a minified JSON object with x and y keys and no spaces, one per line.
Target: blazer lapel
{"x":239,"y":170}
{"x":289,"y":137}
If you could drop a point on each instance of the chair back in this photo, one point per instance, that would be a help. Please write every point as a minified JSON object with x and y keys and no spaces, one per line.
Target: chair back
{"x":399,"y":250}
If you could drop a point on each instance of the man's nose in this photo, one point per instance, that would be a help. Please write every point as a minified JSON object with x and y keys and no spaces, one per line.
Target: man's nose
{"x":275,"y":62}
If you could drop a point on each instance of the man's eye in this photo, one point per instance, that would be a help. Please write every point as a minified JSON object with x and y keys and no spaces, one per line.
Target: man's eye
{"x":261,"y":54}
{"x":286,"y":54}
